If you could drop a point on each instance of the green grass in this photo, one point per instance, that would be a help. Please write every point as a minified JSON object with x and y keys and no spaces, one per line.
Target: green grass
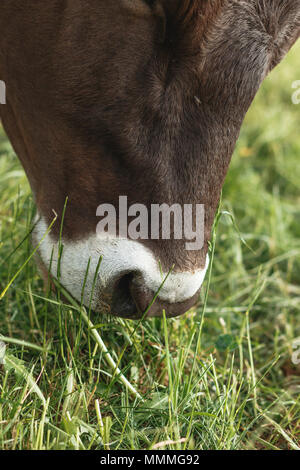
{"x":219,"y":377}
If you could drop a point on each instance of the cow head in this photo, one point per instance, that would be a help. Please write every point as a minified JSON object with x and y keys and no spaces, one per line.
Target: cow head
{"x":139,"y":99}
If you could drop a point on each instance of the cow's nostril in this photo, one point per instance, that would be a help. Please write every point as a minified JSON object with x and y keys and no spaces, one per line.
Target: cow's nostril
{"x":132,"y":299}
{"x":123,"y":303}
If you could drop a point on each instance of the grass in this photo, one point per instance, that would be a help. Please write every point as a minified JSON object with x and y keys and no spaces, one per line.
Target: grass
{"x":219,"y":377}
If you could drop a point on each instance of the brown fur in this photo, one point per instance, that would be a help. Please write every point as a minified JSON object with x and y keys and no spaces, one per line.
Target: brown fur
{"x":109,"y":98}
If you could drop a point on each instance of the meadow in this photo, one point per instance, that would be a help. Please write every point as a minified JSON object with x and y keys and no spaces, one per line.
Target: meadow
{"x":223,"y":376}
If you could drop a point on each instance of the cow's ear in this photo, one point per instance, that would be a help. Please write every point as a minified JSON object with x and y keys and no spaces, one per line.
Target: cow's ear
{"x":288,"y":31}
{"x":282,"y":22}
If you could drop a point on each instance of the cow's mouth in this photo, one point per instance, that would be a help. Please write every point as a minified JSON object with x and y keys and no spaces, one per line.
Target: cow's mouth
{"x":130,"y":300}
{"x":122,"y":277}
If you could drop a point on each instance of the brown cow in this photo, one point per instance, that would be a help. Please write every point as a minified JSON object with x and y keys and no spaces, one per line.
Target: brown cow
{"x":135,"y":98}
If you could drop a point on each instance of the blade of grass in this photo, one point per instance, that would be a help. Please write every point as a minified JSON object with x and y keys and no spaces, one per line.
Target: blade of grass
{"x":99,"y":341}
{"x":3,"y":293}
